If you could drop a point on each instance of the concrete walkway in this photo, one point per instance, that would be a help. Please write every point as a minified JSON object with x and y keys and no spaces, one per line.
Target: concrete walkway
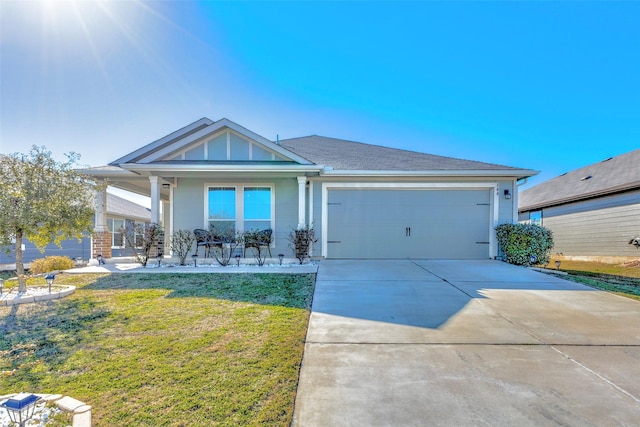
{"x":459,"y":343}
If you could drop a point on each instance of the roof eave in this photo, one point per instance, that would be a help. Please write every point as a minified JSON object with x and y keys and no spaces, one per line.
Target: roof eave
{"x":511,"y":173}
{"x":159,"y":167}
{"x":580,"y":197}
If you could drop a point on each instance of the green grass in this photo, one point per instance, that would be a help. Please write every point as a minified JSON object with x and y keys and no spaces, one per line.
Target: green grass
{"x":621,"y":279}
{"x":164,"y":349}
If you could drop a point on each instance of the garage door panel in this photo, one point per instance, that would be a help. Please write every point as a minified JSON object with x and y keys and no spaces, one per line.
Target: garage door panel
{"x":444,"y":224}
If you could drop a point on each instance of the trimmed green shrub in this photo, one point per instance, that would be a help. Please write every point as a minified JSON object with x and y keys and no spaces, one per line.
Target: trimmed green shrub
{"x":50,"y":263}
{"x":525,"y":244}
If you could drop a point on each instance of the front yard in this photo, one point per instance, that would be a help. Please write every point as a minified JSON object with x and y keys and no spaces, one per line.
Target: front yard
{"x":164,"y":349}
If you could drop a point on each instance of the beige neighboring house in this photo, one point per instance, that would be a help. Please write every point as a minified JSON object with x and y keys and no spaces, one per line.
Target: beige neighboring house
{"x":593,"y":212}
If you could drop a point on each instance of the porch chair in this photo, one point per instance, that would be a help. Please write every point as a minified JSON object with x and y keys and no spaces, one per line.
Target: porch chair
{"x":257,"y":239}
{"x":204,"y":238}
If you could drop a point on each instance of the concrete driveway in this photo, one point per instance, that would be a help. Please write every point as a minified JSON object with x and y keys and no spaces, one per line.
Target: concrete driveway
{"x":466,"y":343}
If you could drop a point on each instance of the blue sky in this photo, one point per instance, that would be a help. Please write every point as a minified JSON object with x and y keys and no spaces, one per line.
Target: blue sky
{"x":550,"y":86}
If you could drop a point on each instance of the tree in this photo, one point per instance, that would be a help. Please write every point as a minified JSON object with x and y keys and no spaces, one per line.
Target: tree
{"x":42,"y":200}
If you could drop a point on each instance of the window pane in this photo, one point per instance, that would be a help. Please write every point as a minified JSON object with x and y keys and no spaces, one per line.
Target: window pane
{"x":222,"y":203}
{"x":536,"y":217}
{"x":257,"y":203}
{"x":256,"y":225}
{"x":239,"y":148}
{"x":218,"y":148}
{"x":118,"y":241}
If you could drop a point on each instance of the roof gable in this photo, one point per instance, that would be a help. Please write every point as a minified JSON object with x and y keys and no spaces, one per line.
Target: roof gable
{"x":205,"y":140}
{"x":611,"y":175}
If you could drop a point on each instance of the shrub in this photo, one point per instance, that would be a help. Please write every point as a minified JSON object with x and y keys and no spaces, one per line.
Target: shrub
{"x":301,"y":241}
{"x":51,"y":263}
{"x":525,"y":244}
{"x":144,"y":238}
{"x":230,"y":240}
{"x":181,"y":242}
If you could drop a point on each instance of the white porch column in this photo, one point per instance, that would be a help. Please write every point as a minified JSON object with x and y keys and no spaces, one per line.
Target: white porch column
{"x":302,"y":200}
{"x":155,"y":199}
{"x":101,"y":210}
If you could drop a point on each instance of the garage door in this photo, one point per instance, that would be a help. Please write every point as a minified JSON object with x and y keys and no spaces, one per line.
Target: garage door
{"x":412,"y":223}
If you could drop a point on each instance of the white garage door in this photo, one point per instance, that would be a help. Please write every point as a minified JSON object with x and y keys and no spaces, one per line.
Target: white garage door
{"x":411,"y":223}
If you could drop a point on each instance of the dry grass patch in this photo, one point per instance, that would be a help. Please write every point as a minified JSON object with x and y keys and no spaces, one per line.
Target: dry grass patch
{"x":163,"y":349}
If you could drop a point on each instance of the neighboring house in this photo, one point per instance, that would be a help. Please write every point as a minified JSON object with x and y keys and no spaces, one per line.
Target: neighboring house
{"x":119,"y":213}
{"x":364,"y":201}
{"x":593,"y":211}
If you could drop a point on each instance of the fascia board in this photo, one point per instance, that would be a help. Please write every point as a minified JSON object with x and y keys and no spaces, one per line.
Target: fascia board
{"x":158,"y":168}
{"x":110,"y":172}
{"x":511,"y":173}
{"x":216,"y":127}
{"x":158,"y":143}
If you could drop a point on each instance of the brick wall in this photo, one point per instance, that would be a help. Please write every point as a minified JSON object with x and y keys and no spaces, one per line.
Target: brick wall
{"x":101,"y":244}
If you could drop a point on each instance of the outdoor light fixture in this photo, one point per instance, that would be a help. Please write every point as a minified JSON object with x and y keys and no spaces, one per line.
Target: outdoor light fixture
{"x":507,"y":194}
{"x":159,"y":260}
{"x":20,"y":407}
{"x":238,"y":260}
{"x":50,"y":278}
{"x":280,"y":256}
{"x":558,"y":264}
{"x":195,"y":259}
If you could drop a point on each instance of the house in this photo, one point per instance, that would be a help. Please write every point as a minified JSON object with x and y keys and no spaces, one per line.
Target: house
{"x":593,"y":212}
{"x":120,"y":213}
{"x":363,"y":201}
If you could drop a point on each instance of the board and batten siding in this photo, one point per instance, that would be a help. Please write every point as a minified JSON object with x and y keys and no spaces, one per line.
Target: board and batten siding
{"x":596,"y":227}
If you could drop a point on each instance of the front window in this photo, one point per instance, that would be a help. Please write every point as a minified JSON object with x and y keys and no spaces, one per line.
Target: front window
{"x":222,"y":208}
{"x":240,"y":208}
{"x":116,"y":227}
{"x":257,"y":208}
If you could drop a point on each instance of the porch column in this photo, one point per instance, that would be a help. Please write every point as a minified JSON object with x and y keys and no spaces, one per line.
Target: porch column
{"x":101,"y":239}
{"x":302,"y":199}
{"x":155,"y":199}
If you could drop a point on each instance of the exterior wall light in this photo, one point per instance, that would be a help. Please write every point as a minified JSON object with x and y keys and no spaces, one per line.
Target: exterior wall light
{"x":50,"y":278}
{"x":507,"y":194}
{"x":20,"y":407}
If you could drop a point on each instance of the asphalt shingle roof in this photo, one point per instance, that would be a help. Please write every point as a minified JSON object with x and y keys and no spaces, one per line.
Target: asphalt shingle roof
{"x":122,"y":207}
{"x":349,"y":155}
{"x":612,"y":175}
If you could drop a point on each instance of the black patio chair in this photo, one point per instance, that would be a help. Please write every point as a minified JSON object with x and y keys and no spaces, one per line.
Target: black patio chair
{"x":257,"y":239}
{"x":204,"y":238}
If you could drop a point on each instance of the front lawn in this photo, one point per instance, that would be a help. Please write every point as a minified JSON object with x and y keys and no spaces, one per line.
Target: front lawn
{"x":164,"y":349}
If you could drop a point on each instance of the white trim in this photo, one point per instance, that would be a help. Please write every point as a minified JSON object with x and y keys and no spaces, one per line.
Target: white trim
{"x":169,"y":167}
{"x":311,"y":189}
{"x":493,"y":212}
{"x":302,"y":201}
{"x":171,"y":187}
{"x":447,"y":173}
